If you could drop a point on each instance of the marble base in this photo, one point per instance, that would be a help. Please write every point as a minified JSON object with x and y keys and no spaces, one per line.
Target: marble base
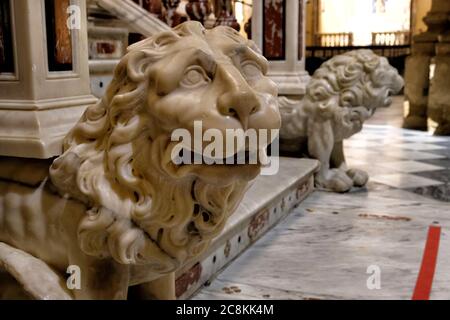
{"x":268,"y":201}
{"x":35,"y":129}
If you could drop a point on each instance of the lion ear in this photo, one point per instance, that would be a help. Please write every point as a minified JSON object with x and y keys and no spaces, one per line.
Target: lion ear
{"x":137,"y":65}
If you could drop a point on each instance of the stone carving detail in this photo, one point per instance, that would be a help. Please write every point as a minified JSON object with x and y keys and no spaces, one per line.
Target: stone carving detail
{"x":114,"y":203}
{"x":341,"y":95}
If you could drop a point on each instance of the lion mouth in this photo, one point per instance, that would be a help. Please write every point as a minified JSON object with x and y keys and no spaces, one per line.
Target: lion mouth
{"x":241,"y":158}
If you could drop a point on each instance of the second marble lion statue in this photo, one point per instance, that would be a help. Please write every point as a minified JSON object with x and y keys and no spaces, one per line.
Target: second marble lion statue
{"x":342,"y":94}
{"x":115,"y":204}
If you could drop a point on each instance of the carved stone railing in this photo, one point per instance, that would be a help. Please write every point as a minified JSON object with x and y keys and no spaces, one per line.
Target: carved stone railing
{"x":137,"y":18}
{"x":340,"y":39}
{"x":391,"y":38}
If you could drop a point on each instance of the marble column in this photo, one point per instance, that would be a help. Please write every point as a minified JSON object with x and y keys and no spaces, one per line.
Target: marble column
{"x":439,"y":99}
{"x":417,"y":83}
{"x":423,"y":96}
{"x":44,"y":82}
{"x":278,"y":28}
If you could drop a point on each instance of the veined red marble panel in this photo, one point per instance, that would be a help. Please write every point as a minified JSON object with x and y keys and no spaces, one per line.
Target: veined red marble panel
{"x":274,"y":13}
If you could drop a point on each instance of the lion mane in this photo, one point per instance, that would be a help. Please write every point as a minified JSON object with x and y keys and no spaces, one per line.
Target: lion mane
{"x":159,"y":219}
{"x":356,"y":78}
{"x":353,"y":79}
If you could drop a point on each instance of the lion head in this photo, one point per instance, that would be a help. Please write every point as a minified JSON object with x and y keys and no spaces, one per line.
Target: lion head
{"x":142,"y":207}
{"x":349,"y":88}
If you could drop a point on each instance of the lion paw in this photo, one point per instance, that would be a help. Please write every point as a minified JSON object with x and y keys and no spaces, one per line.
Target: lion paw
{"x":337,"y":181}
{"x":359,"y":177}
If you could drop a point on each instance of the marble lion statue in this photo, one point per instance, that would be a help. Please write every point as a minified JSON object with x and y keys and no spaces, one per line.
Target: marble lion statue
{"x":342,"y":94}
{"x":114,"y":204}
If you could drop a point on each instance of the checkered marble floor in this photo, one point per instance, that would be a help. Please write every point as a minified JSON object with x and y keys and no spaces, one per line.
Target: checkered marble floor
{"x":402,"y":159}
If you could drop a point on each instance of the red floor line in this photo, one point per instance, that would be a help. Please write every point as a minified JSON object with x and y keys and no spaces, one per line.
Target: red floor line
{"x":424,"y":282}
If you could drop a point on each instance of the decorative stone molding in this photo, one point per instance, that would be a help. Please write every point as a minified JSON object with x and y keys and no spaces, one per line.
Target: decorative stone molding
{"x":48,"y":88}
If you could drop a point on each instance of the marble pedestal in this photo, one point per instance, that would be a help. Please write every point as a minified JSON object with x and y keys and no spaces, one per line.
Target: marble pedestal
{"x":267,"y":202}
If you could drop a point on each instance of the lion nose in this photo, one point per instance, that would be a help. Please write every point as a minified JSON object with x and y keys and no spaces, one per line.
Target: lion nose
{"x":240,"y":105}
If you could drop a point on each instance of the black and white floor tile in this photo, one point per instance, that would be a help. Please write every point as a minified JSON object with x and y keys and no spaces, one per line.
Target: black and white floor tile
{"x":410,"y":160}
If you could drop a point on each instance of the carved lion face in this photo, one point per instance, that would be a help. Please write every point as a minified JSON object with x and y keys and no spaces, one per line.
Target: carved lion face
{"x":217,"y":78}
{"x":142,"y":207}
{"x":350,"y":87}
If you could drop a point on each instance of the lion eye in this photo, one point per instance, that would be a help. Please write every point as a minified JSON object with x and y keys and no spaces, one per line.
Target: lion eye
{"x":251,"y":70}
{"x":194,"y":76}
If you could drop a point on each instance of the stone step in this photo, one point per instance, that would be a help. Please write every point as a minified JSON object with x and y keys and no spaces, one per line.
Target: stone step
{"x":267,"y":202}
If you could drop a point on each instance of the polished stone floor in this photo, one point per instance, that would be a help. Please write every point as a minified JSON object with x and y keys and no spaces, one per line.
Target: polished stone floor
{"x":329,"y":247}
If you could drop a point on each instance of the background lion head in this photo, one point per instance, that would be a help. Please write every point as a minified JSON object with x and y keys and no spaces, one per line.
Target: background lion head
{"x":142,"y":208}
{"x":350,"y":87}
